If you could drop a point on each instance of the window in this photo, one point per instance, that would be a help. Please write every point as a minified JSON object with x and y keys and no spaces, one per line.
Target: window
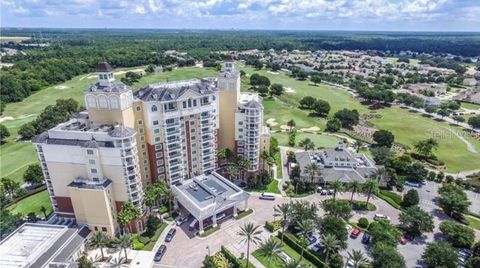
{"x":192,"y":123}
{"x":157,"y":139}
{"x":91,"y":161}
{"x":93,"y":171}
{"x":189,"y":103}
{"x":140,"y":122}
{"x":138,"y":108}
{"x":104,"y":229}
{"x":184,"y":104}
{"x":194,"y":103}
{"x":156,"y":131}
{"x":170,"y":121}
{"x":192,"y":130}
{"x":90,"y":152}
{"x":155,"y":122}
{"x":154,"y":108}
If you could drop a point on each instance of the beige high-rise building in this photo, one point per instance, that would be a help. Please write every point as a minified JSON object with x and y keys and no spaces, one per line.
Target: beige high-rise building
{"x":104,"y":156}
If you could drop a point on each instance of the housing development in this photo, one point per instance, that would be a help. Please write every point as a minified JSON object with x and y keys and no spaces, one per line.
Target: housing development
{"x":127,"y":145}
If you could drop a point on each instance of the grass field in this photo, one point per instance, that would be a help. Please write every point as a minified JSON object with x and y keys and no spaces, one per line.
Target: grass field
{"x":16,"y":39}
{"x":470,"y":106}
{"x":279,"y":263}
{"x":33,"y":203}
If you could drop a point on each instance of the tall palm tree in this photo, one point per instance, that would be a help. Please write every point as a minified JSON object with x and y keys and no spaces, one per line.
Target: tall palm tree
{"x":270,"y":250}
{"x":358,"y":145}
{"x":117,"y":262}
{"x":337,"y":187}
{"x":354,"y":187}
{"x":284,"y":210}
{"x":265,"y":155}
{"x":124,"y":242}
{"x":291,"y":124}
{"x":170,"y":197}
{"x":306,"y":226}
{"x":231,"y":171}
{"x":370,"y":187}
{"x":43,"y":209}
{"x":250,"y":233}
{"x":311,"y":169}
{"x":357,"y":257}
{"x":150,"y":197}
{"x":380,"y":174}
{"x":330,"y":244}
{"x":99,"y":240}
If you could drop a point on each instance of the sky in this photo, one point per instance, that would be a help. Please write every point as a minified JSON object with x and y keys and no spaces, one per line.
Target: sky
{"x":364,"y":15}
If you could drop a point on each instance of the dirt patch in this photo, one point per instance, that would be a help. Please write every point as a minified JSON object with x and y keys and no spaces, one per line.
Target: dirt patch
{"x":289,"y":90}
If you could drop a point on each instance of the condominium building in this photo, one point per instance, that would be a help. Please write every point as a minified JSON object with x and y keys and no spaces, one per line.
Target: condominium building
{"x":105,"y":156}
{"x":241,"y":121}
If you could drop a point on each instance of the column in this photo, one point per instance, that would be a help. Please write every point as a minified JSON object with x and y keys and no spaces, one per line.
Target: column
{"x":214,"y":220}
{"x":246,"y":203}
{"x":200,"y":226}
{"x":235,"y":211}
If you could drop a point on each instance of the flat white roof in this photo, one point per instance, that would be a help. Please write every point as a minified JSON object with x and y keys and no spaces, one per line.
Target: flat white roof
{"x":248,"y":96}
{"x":24,"y":246}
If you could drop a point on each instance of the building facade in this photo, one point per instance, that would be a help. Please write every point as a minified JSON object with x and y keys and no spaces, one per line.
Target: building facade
{"x":105,"y":156}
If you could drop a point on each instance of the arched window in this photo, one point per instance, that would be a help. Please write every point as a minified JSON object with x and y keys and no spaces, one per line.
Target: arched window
{"x":154,"y":108}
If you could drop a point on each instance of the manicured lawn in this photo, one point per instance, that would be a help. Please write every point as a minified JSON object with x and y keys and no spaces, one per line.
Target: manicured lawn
{"x":320,"y":140}
{"x":470,"y":106}
{"x":244,"y":214}
{"x":282,"y":113}
{"x":272,"y":187}
{"x":409,"y":128}
{"x":33,"y":203}
{"x":473,"y":222}
{"x":279,"y":263}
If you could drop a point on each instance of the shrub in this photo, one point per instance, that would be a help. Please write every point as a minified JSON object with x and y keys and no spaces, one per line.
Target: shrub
{"x":143,"y":239}
{"x":221,"y":261}
{"x":363,"y":223}
{"x":411,"y":198}
{"x":273,"y":226}
{"x":232,"y":258}
{"x":136,"y":244}
{"x":291,"y":242}
{"x":391,"y":198}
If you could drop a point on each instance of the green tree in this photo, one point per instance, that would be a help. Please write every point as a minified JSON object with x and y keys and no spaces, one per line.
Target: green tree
{"x":453,"y":199}
{"x":307,"y":102}
{"x":270,"y":250}
{"x":276,"y":89}
{"x":348,"y":118}
{"x":284,"y":211}
{"x":458,"y":235}
{"x":333,"y":125}
{"x":313,"y":170}
{"x":9,"y":186}
{"x":411,"y":198}
{"x":321,"y":108}
{"x":150,"y":197}
{"x":124,"y":242}
{"x":128,"y":213}
{"x":425,"y":147}
{"x":250,"y":233}
{"x":330,"y":244}
{"x":27,"y":131}
{"x":170,"y":197}
{"x":306,"y":227}
{"x":354,"y":187}
{"x":370,"y":187}
{"x":440,"y":254}
{"x":43,"y":209}
{"x":291,"y":124}
{"x":337,"y":187}
{"x":333,"y":225}
{"x":383,"y":138}
{"x":357,"y":257}
{"x":292,"y":263}
{"x":385,"y":256}
{"x":473,"y":262}
{"x":84,"y":262}
{"x":99,"y":240}
{"x":316,"y":79}
{"x":416,"y":172}
{"x":474,"y":121}
{"x":4,"y":133}
{"x":415,"y":221}
{"x":33,"y":174}
{"x":385,"y":233}
{"x":337,"y":208}
{"x":307,"y":144}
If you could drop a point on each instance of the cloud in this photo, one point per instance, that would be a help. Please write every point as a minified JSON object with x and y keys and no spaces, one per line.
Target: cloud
{"x":249,"y":13}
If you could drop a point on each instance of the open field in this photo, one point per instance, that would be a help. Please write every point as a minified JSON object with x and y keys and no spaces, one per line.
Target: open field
{"x":33,"y":203}
{"x":17,"y":39}
{"x":470,"y":106}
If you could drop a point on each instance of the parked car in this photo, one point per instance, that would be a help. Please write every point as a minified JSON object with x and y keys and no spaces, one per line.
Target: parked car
{"x":412,"y":184}
{"x":366,"y":238}
{"x":170,"y":234}
{"x":267,"y":196}
{"x":324,"y":192}
{"x":181,"y":220}
{"x":311,"y":239}
{"x":355,"y":233}
{"x":403,"y":241}
{"x":160,"y":252}
{"x":319,"y":189}
{"x":331,"y":191}
{"x":317,"y":248}
{"x":379,"y":216}
{"x":348,"y":227}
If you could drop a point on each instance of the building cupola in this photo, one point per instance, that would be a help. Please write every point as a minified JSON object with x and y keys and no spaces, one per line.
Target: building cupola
{"x":228,"y":64}
{"x":105,"y":73}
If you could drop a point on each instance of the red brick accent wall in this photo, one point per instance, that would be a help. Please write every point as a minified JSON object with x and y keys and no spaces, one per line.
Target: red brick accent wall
{"x":153,"y":162}
{"x":189,"y":148}
{"x":64,"y":204}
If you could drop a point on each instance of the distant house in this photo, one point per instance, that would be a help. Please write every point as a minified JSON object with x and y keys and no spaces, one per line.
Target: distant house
{"x":339,"y":163}
{"x":157,"y":69}
{"x":469,"y":82}
{"x":472,"y":96}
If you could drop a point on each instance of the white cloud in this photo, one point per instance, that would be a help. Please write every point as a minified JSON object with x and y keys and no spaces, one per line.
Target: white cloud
{"x":140,"y":10}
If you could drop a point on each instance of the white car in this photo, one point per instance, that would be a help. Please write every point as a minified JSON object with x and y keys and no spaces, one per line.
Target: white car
{"x":319,"y":189}
{"x":379,"y":216}
{"x":348,"y":227}
{"x":181,"y":220}
{"x":350,"y":264}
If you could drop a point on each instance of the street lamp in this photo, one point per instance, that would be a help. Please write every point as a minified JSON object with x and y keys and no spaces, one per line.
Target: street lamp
{"x":208,"y":249}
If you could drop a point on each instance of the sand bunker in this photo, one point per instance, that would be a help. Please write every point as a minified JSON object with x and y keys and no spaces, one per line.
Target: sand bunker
{"x":289,"y":90}
{"x":61,"y":87}
{"x":270,"y":72}
{"x":310,"y":129}
{"x":271,"y":122}
{"x":284,"y":128}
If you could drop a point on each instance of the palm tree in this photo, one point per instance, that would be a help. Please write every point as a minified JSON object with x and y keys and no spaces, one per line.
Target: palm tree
{"x":264,"y":157}
{"x":337,"y":187}
{"x":150,"y":197}
{"x":284,"y":210}
{"x":124,"y":242}
{"x":330,"y":244}
{"x":358,"y":145}
{"x":250,"y":234}
{"x":379,"y":174}
{"x":307,"y":144}
{"x":293,"y":264}
{"x":355,"y":187}
{"x":370,"y":187}
{"x":270,"y":250}
{"x":170,"y":197}
{"x":357,"y":257}
{"x":291,"y":124}
{"x":117,"y":262}
{"x":311,"y":169}
{"x":99,"y":240}
{"x":128,"y":213}
{"x":306,"y":226}
{"x":43,"y":209}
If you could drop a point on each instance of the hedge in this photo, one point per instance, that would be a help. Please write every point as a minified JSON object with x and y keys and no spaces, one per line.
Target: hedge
{"x":273,"y":226}
{"x":231,"y":258}
{"x":291,"y":242}
{"x":391,"y":198}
